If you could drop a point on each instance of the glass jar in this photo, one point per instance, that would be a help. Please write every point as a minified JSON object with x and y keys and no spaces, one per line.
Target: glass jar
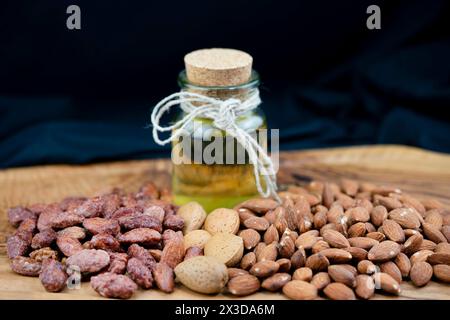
{"x":217,"y":185}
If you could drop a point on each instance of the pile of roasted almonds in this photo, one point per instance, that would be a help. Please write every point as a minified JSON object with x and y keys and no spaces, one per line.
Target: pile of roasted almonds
{"x":341,"y":241}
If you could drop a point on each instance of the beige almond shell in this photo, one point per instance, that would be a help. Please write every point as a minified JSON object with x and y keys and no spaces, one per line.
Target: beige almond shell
{"x":225,"y":247}
{"x":196,"y":238}
{"x":202,"y":274}
{"x":193,"y":215}
{"x":222,"y":220}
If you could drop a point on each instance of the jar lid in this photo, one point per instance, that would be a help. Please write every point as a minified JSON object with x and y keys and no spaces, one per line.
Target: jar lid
{"x":218,"y":67}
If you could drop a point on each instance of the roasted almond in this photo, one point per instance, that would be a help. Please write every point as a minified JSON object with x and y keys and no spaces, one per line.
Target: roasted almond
{"x":286,"y":247}
{"x":363,"y":242}
{"x":428,"y":245}
{"x":357,"y":230}
{"x":264,"y":269}
{"x":271,"y":235}
{"x":388,"y":202}
{"x":259,"y":205}
{"x":349,"y":186}
{"x":307,"y":240}
{"x":442,"y":272}
{"x":421,"y":273}
{"x":335,"y":239}
{"x":257,"y":223}
{"x":405,"y":217}
{"x":317,"y":262}
{"x":298,"y":259}
{"x":434,"y":218}
{"x":342,"y":274}
{"x":337,"y":255}
{"x":248,"y":260}
{"x":358,"y":254}
{"x":439,"y":258}
{"x":442,"y":247}
{"x":433,"y":233}
{"x":250,"y":237}
{"x":358,"y":214}
{"x":376,"y":235}
{"x":319,"y":246}
{"x":365,"y":286}
{"x":269,"y":253}
{"x":234,"y":272}
{"x":393,"y":231}
{"x":413,"y":244}
{"x":421,"y":255}
{"x":300,"y":290}
{"x":276,"y":282}
{"x":285,"y":265}
{"x":366,"y":267}
{"x":304,"y":274}
{"x":403,"y":264}
{"x":384,"y":251}
{"x":243,"y":285}
{"x":320,"y":280}
{"x":378,"y":215}
{"x":391,"y":269}
{"x":386,"y":283}
{"x":339,"y":291}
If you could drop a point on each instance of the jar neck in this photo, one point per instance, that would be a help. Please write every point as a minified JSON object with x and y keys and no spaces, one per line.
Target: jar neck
{"x":221,"y":92}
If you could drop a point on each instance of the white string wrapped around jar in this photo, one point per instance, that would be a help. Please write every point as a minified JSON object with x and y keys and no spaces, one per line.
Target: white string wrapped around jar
{"x":224,"y":114}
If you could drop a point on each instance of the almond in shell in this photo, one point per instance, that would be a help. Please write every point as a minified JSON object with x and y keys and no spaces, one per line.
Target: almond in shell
{"x":222,"y":220}
{"x":193,"y":215}
{"x":196,"y":238}
{"x":225,"y":247}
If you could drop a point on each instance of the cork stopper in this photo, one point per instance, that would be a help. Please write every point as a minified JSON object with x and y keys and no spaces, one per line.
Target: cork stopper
{"x":218,"y":67}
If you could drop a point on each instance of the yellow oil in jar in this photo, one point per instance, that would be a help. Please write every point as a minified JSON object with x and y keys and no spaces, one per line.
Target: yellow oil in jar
{"x":215,"y":185}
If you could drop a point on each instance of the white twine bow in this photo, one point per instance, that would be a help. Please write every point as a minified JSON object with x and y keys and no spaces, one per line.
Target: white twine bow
{"x":224,"y":114}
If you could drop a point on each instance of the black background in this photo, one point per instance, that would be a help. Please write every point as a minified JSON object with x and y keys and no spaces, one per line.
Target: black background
{"x":80,"y":96}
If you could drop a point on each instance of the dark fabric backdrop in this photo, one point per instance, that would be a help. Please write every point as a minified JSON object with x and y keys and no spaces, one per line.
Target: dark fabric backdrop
{"x":84,"y":96}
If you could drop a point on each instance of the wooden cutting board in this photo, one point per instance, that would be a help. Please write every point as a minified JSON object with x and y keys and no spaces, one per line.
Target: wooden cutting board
{"x":423,"y":173}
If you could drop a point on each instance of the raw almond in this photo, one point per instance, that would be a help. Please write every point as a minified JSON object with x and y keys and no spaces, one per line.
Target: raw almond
{"x":439,"y":258}
{"x":357,"y":230}
{"x":264,"y":269}
{"x":269,"y":253}
{"x":244,"y":214}
{"x":405,"y":217}
{"x":225,"y":247}
{"x":358,"y":254}
{"x":413,"y":244}
{"x":304,"y":274}
{"x":363,"y":242}
{"x":271,"y":235}
{"x":341,"y":274}
{"x":243,"y":285}
{"x":300,"y":290}
{"x":428,"y":245}
{"x":222,"y":220}
{"x":393,"y":231}
{"x":337,"y":255}
{"x":384,"y":251}
{"x":317,"y":262}
{"x":285,"y":264}
{"x":320,"y":218}
{"x":234,"y":272}
{"x":339,"y":291}
{"x":335,"y":239}
{"x":202,"y":274}
{"x":387,"y":283}
{"x":421,"y":273}
{"x":366,"y":267}
{"x":433,"y":233}
{"x":250,"y":237}
{"x":421,"y":255}
{"x":446,"y":231}
{"x":286,"y":247}
{"x":442,"y":272}
{"x":306,"y":241}
{"x":321,"y":280}
{"x":257,"y":223}
{"x":358,"y":214}
{"x":403,"y":264}
{"x":434,"y":218}
{"x":298,"y":259}
{"x":259,"y":205}
{"x":276,"y":282}
{"x":378,"y":215}
{"x":376,"y":235}
{"x":327,"y":195}
{"x":319,"y":246}
{"x":411,"y":202}
{"x":193,"y":215}
{"x":391,"y":269}
{"x":350,"y":187}
{"x":388,"y":202}
{"x":248,"y":260}
{"x":443,"y":247}
{"x":365,"y":286}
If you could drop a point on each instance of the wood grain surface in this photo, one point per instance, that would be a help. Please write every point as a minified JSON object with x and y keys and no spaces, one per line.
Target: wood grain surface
{"x":422,"y":173}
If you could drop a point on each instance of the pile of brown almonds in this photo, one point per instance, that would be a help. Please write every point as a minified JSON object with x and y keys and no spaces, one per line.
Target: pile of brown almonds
{"x":340,"y":241}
